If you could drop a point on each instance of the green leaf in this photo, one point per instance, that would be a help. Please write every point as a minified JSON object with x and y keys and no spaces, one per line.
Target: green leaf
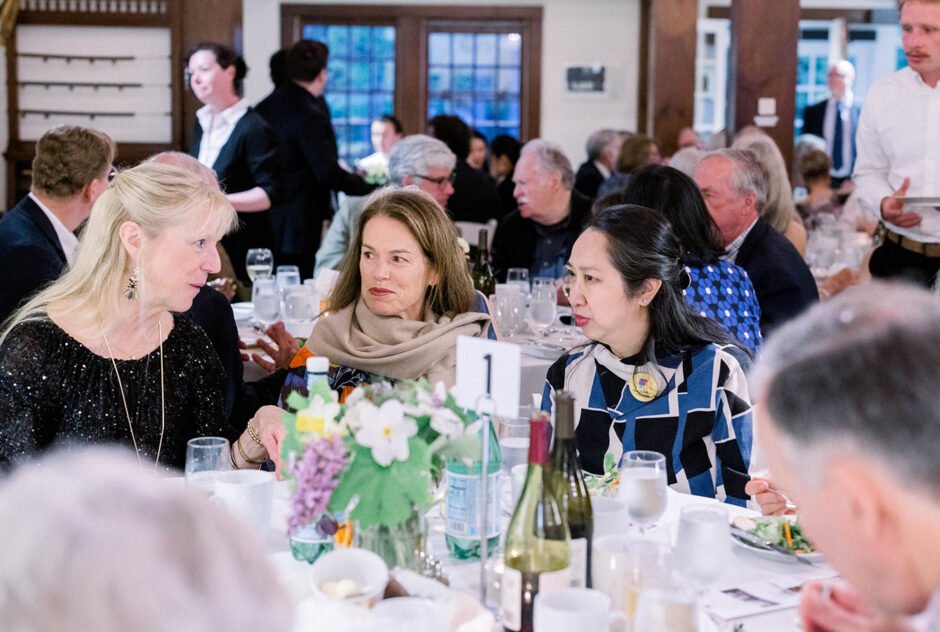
{"x":296,"y":401}
{"x":610,"y":464}
{"x":462,"y":448}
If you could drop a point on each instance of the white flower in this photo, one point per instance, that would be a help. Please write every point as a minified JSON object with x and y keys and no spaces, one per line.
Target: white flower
{"x":387,"y":433}
{"x":318,"y":416}
{"x":446,"y":422}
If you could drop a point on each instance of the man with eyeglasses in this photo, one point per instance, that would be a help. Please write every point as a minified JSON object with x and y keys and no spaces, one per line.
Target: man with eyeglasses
{"x":417,"y":160}
{"x":71,"y":169}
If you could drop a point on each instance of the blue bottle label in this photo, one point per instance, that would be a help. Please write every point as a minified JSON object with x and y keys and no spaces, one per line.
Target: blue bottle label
{"x":464,"y":503}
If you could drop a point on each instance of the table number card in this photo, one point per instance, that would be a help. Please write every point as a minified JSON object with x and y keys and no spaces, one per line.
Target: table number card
{"x":482,"y":363}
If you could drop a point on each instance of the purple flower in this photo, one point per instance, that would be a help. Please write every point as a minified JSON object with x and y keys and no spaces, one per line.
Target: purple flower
{"x":317,"y":475}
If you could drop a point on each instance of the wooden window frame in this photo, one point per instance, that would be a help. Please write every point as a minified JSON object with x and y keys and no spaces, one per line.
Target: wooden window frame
{"x":412,"y":25}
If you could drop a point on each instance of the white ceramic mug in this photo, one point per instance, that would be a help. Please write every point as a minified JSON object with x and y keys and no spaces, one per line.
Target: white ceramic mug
{"x":610,"y":516}
{"x":582,"y":609}
{"x":248,"y":495}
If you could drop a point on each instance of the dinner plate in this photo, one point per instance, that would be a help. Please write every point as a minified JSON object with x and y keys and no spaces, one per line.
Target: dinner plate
{"x":543,"y":350}
{"x":770,"y":553}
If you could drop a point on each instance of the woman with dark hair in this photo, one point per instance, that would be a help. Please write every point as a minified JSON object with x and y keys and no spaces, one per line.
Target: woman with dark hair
{"x":655,"y":376}
{"x":719,"y":289}
{"x":635,"y":153}
{"x":236,"y":143}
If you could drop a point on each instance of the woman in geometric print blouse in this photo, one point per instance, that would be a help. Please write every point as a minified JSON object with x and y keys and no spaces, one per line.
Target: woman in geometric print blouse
{"x":655,"y":376}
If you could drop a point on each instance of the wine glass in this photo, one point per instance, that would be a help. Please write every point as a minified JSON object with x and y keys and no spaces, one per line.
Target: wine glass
{"x":702,"y":542}
{"x":510,"y":309}
{"x":259,"y":263}
{"x":206,"y":458}
{"x":519,"y":277}
{"x":643,"y":487}
{"x":267,"y":302}
{"x":542,"y":307}
{"x":667,"y":609}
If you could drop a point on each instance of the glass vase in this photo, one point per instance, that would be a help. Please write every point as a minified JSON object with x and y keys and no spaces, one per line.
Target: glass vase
{"x":307,"y":544}
{"x":403,"y":545}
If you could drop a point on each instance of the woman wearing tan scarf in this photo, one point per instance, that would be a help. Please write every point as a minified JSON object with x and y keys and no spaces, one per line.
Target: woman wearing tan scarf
{"x":403,"y":294}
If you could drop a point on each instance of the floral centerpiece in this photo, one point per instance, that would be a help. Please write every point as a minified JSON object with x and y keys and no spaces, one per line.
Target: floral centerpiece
{"x":372,"y":458}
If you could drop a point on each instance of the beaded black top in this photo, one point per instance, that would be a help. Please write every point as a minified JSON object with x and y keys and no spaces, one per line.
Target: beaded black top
{"x":55,"y":392}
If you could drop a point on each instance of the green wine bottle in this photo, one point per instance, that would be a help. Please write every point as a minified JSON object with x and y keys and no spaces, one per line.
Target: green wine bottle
{"x":571,"y":491}
{"x":482,"y":273}
{"x":536,"y":549}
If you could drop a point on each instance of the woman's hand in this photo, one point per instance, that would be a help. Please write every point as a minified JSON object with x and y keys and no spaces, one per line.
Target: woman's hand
{"x":838,"y":607}
{"x":267,"y":422}
{"x":283,"y":350}
{"x":771,"y":501}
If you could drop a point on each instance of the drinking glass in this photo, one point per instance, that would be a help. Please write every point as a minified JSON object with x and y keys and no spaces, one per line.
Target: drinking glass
{"x":298,"y":304}
{"x":206,"y":459}
{"x":542,"y":307}
{"x":643,"y":487}
{"x":259,"y":262}
{"x":622,"y":565}
{"x":702,"y":542}
{"x":519,"y":277}
{"x":667,"y":609}
{"x":510,"y":309}
{"x":287,"y":275}
{"x":514,"y":441}
{"x":267,"y":302}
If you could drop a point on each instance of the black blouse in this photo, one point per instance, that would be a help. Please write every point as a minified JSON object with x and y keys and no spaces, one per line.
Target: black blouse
{"x":55,"y":391}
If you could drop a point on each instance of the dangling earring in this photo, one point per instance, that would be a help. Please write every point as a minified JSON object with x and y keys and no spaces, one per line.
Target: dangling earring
{"x":130,"y":292}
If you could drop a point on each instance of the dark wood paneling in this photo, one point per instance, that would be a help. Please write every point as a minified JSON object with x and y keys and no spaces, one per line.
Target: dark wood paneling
{"x":643,"y":69}
{"x":207,"y":21}
{"x":762,"y":63}
{"x":671,"y":95}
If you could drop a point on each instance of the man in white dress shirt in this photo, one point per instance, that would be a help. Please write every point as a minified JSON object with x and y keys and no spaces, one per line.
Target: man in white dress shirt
{"x":37,"y":236}
{"x":899,"y":151}
{"x":847,"y":417}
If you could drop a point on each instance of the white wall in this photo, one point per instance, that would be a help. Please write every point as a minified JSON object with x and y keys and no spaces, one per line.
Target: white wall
{"x":582,"y":31}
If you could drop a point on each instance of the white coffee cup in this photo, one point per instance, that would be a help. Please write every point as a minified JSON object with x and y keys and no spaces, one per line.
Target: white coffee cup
{"x":610,"y":515}
{"x":248,"y":495}
{"x":582,"y":609}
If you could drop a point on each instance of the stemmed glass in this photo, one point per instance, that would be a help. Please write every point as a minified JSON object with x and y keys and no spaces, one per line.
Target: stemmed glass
{"x":206,"y":458}
{"x":643,"y":487}
{"x":542,"y":306}
{"x":519,"y":277}
{"x":259,"y":263}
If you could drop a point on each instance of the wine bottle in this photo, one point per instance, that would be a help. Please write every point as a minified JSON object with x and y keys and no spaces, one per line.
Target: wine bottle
{"x":536,"y":549}
{"x":571,"y":491}
{"x":483,"y":279}
{"x":464,"y":500}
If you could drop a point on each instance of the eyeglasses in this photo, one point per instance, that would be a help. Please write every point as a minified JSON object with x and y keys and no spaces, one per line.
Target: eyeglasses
{"x":438,"y":181}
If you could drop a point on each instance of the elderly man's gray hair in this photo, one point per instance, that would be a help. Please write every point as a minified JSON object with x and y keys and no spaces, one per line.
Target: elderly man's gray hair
{"x":549,"y":159}
{"x":414,"y":155}
{"x":858,"y":373}
{"x":748,"y":175}
{"x":597,"y":141}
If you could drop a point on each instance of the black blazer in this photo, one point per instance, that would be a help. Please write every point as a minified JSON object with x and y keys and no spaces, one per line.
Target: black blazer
{"x":516,"y":237}
{"x":475,"y":198}
{"x":588,"y":179}
{"x":30,"y":254}
{"x":249,"y":158}
{"x":781,"y":278}
{"x":814,"y":117}
{"x":305,"y":136}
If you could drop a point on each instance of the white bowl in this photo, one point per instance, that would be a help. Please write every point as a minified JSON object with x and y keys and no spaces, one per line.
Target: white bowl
{"x":365,"y":568}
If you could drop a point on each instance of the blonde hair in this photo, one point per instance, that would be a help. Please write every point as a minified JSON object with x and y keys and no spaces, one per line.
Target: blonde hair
{"x":435,"y":234}
{"x":155,"y":197}
{"x":779,"y":209}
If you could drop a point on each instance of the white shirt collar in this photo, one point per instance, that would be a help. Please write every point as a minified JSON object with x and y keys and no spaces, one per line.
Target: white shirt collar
{"x":216,"y":129}
{"x":67,"y":239}
{"x":602,"y":168}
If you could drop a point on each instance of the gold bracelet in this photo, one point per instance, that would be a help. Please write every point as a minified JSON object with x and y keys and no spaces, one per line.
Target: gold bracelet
{"x":241,"y":451}
{"x":254,"y":435}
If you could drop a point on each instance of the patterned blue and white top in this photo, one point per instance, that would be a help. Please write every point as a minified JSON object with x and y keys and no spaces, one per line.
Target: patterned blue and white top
{"x":723,"y":292}
{"x":693,"y":407}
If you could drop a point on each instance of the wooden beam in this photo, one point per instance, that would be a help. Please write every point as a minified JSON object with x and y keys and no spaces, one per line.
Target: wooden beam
{"x":671,"y":76}
{"x":762,"y":65}
{"x":643,"y":57}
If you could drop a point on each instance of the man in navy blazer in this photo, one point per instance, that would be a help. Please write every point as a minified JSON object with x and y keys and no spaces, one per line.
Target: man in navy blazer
{"x":71,"y":169}
{"x":300,"y":117}
{"x":734,"y":186}
{"x":836,"y":120}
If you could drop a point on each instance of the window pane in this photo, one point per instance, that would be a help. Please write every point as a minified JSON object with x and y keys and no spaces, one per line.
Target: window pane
{"x":822,"y":69}
{"x":315,"y":32}
{"x":337,"y":75}
{"x":486,"y":49}
{"x":485,"y":112}
{"x":508,"y":112}
{"x":435,"y":107}
{"x":337,"y":38}
{"x":361,"y":41}
{"x":439,"y":48}
{"x":463,"y":79}
{"x":485,"y":80}
{"x":439,"y":79}
{"x":464,"y":109}
{"x":337,"y":103}
{"x":509,"y":80}
{"x":359,"y":107}
{"x":383,"y":38}
{"x":463,"y":48}
{"x":383,"y":75}
{"x":510,"y":47}
{"x":359,"y":78}
{"x":802,"y":71}
{"x":382,"y":102}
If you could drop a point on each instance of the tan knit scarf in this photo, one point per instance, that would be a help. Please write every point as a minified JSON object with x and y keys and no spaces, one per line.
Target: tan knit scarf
{"x":394,"y":347}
